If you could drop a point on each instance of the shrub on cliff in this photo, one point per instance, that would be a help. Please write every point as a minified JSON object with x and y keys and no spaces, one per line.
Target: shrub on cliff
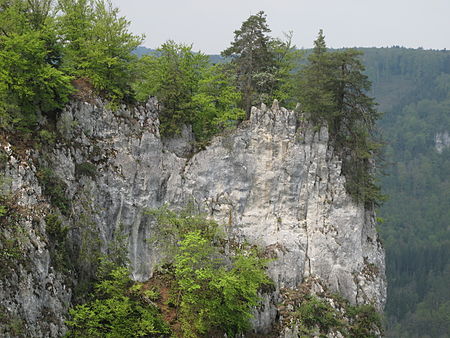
{"x":190,"y":90}
{"x":117,"y":310}
{"x":215,"y":292}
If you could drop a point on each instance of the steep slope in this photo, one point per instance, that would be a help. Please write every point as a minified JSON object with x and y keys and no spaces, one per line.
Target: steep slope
{"x":413,"y":89}
{"x":274,"y":182}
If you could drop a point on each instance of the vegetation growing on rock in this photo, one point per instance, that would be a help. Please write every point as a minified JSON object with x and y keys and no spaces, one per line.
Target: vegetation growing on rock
{"x":50,"y":46}
{"x":48,"y":50}
{"x":209,"y":291}
{"x":324,"y":314}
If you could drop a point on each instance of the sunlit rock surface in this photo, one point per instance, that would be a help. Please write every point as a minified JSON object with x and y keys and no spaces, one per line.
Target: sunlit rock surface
{"x":275,"y":182}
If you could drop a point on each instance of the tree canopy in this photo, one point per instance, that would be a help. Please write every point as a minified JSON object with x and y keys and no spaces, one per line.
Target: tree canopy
{"x":260,"y":63}
{"x":332,"y":88}
{"x":190,"y":89}
{"x":45,"y":44}
{"x":97,"y":45}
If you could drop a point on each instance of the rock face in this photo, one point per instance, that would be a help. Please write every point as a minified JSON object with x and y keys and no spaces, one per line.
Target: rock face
{"x":33,"y":295}
{"x":442,"y":141}
{"x":275,"y":182}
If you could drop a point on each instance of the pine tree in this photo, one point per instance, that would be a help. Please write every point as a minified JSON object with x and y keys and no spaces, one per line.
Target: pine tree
{"x":314,"y":83}
{"x":332,"y":89}
{"x":252,"y":60}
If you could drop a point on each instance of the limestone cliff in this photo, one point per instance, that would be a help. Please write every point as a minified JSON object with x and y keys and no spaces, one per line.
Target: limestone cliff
{"x":275,"y":182}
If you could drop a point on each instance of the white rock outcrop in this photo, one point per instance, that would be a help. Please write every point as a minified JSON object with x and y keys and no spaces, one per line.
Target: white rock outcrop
{"x":442,"y":141}
{"x":275,"y":181}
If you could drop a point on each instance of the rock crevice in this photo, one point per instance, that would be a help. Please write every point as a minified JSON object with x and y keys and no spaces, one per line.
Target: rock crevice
{"x":274,"y":181}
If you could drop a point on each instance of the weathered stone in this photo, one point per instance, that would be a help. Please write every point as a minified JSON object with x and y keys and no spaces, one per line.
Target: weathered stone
{"x":442,"y":141}
{"x":275,"y":181}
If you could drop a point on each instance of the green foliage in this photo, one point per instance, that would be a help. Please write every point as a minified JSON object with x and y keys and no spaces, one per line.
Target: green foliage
{"x":287,"y":58}
{"x":213,"y":294}
{"x":116,"y":256}
{"x":332,"y":89}
{"x":11,"y":248}
{"x":3,"y":162}
{"x":55,"y":189}
{"x":364,"y":320}
{"x":412,"y":88}
{"x":216,"y":104}
{"x":57,"y":234}
{"x":315,"y":313}
{"x":44,"y":45}
{"x":98,"y":45}
{"x":116,"y":310}
{"x":12,"y":251}
{"x":14,"y":325}
{"x":252,"y":59}
{"x":173,"y":76}
{"x":55,"y":228}
{"x":85,"y":169}
{"x":29,"y":82}
{"x":47,"y":137}
{"x":172,"y":226}
{"x":261,"y":65}
{"x":116,"y":306}
{"x":328,"y":314}
{"x":3,"y":210}
{"x":190,"y":90}
{"x":86,"y":251}
{"x":215,"y":291}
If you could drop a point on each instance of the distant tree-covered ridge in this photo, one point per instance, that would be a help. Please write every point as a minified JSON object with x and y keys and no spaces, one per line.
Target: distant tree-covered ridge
{"x":413,"y":88}
{"x":47,"y":46}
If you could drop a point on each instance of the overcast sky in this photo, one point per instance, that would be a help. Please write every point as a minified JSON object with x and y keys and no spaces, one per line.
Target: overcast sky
{"x":209,"y":24}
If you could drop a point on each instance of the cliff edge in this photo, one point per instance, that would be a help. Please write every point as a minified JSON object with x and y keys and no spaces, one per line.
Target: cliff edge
{"x":275,"y":181}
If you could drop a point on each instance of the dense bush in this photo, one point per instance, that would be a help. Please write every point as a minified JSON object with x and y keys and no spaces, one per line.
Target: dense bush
{"x":210,"y":291}
{"x":327,"y":314}
{"x":117,"y":310}
{"x":190,"y":90}
{"x":45,"y":44}
{"x":215,"y":291}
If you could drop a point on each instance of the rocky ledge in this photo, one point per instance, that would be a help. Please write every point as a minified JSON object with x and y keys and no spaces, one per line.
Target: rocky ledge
{"x":275,"y":181}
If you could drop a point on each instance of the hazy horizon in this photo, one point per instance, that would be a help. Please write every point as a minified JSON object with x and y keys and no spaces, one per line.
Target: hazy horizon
{"x":210,"y":26}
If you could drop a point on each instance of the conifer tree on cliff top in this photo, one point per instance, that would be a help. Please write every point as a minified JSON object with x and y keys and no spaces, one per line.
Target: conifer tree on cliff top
{"x":252,"y":60}
{"x":333,"y":88}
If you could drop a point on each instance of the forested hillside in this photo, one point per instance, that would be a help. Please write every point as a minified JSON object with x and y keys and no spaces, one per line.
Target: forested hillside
{"x":55,"y":51}
{"x":413,"y":89}
{"x":67,"y":65}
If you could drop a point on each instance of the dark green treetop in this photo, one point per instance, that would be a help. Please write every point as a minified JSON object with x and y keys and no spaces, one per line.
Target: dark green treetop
{"x":252,"y":59}
{"x":332,"y":89}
